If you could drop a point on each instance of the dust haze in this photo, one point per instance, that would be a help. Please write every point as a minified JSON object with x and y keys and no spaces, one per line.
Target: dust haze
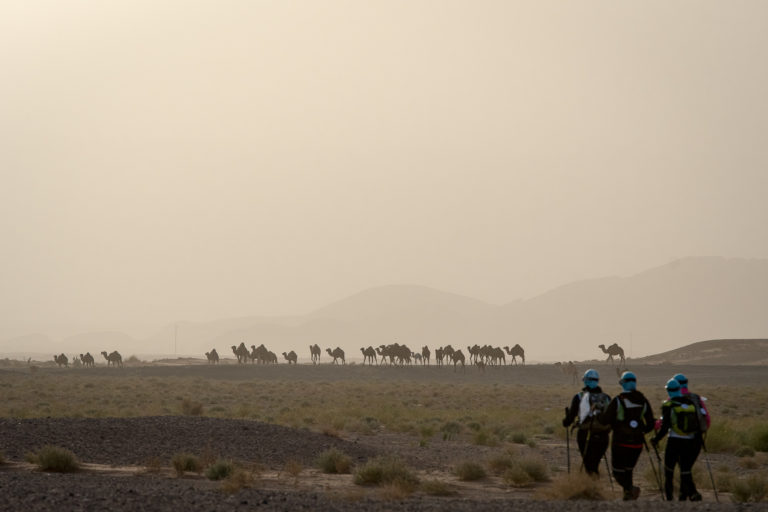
{"x":186,"y":163}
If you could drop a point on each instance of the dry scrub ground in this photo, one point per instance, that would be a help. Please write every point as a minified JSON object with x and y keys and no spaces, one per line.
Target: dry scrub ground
{"x":127,"y":424}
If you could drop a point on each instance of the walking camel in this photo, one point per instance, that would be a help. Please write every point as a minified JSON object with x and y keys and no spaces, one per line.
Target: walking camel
{"x":290,"y":357}
{"x":61,"y":360}
{"x":114,"y":359}
{"x":241,"y":352}
{"x":515,"y":351}
{"x":315,"y":351}
{"x":337,"y":353}
{"x":369,"y":354}
{"x":613,"y":350}
{"x":87,"y":360}
{"x":213,"y":357}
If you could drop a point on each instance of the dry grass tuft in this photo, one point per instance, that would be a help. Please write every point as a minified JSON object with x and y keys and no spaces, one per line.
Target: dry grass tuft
{"x":752,"y":489}
{"x":220,"y":470}
{"x":386,"y":470}
{"x":183,"y":462}
{"x":191,"y":408}
{"x":55,"y":459}
{"x":153,"y":465}
{"x":469,"y":471}
{"x":437,"y":488}
{"x":333,"y":461}
{"x":238,"y":480}
{"x":577,"y":486}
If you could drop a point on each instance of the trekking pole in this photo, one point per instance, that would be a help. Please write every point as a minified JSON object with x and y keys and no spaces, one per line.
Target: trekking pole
{"x":658,"y":460}
{"x":568,"y":444}
{"x":709,"y":469}
{"x":656,"y":474}
{"x":608,"y":470}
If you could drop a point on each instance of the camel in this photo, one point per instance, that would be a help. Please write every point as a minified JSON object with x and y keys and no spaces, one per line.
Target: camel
{"x":61,"y":360}
{"x":114,"y":359}
{"x":416,"y":357}
{"x":425,"y":354}
{"x":87,"y":360}
{"x":290,"y":357}
{"x":315,"y":351}
{"x":213,"y":356}
{"x":613,"y":350}
{"x":458,"y":357}
{"x":439,"y":356}
{"x":336,"y":354}
{"x":241,"y":352}
{"x":474,"y":353}
{"x":515,"y":351}
{"x":569,"y":369}
{"x":369,"y":354}
{"x":271,"y":357}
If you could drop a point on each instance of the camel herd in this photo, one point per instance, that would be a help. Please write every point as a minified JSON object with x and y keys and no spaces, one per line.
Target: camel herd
{"x":393,"y":354}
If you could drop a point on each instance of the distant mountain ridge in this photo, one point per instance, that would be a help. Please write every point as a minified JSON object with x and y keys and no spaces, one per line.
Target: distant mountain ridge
{"x":667,"y":306}
{"x":714,"y":352}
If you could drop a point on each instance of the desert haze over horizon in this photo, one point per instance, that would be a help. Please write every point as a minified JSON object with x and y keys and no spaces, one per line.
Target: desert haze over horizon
{"x":357,"y":173}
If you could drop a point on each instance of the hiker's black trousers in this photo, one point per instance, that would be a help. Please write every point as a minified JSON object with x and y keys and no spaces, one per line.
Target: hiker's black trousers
{"x":623,"y":460}
{"x":592,"y":446}
{"x":683,"y":452}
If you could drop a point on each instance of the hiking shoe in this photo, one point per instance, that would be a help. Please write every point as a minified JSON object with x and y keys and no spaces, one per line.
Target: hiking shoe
{"x":631,"y":494}
{"x":695,"y":497}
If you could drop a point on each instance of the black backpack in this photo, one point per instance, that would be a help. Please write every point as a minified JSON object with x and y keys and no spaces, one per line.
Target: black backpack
{"x":598,"y":403}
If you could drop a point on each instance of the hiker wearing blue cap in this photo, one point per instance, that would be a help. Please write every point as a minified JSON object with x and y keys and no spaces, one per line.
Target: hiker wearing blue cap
{"x":679,"y":418}
{"x":592,"y":436}
{"x":630,"y":416}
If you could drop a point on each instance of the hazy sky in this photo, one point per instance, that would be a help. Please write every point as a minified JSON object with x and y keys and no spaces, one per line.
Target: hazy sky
{"x":169,"y":160}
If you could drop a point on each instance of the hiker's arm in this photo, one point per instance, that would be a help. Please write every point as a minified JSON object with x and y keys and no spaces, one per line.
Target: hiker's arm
{"x":665,"y":415}
{"x":572,"y":411}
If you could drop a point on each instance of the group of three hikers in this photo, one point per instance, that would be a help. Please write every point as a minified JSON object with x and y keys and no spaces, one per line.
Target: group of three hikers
{"x":629,"y":415}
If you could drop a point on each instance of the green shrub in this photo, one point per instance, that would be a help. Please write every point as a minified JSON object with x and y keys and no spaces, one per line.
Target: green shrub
{"x":469,"y":471}
{"x":752,"y":489}
{"x":219,"y":470}
{"x":54,"y":458}
{"x":333,"y":461}
{"x":384,"y":470}
{"x":186,"y":462}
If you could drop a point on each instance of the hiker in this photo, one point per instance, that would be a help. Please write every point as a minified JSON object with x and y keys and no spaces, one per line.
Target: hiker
{"x":630,"y":416}
{"x":681,"y":419}
{"x":701,"y":405}
{"x":592,"y":436}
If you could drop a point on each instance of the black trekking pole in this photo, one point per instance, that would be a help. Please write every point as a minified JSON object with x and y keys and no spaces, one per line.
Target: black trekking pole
{"x":608,"y":470}
{"x":709,"y":469}
{"x":568,"y":444}
{"x":658,"y":460}
{"x":656,"y":474}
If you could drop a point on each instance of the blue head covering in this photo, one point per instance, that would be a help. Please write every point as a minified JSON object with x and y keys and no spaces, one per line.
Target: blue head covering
{"x":591,"y":378}
{"x":673,"y":388}
{"x":628,"y":381}
{"x":682,"y":379}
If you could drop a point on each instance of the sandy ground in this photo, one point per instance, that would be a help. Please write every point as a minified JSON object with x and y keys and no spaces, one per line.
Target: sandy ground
{"x":118,"y":452}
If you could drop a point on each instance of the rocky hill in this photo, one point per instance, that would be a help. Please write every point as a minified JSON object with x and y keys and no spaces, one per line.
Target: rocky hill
{"x":714,"y":352}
